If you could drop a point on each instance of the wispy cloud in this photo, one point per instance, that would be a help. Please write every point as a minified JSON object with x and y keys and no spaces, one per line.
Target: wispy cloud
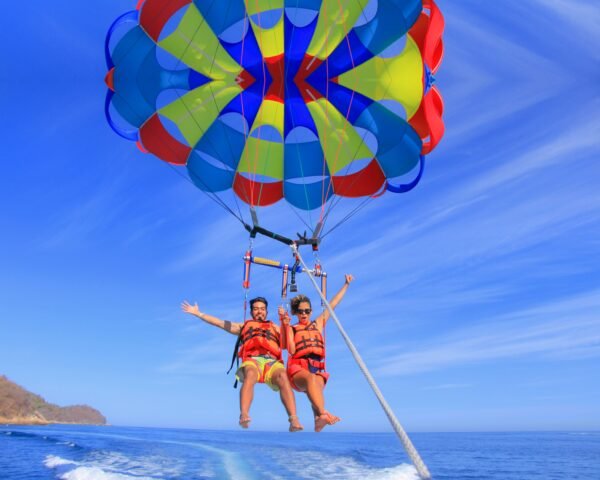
{"x":76,"y":222}
{"x":561,"y":147}
{"x":565,"y":329}
{"x":584,"y":17}
{"x":206,"y":358}
{"x":501,"y":71}
{"x":204,"y":243}
{"x":524,"y":201}
{"x":448,"y":386}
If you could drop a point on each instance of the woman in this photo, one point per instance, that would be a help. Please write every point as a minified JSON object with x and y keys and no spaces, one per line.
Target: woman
{"x":306,"y":346}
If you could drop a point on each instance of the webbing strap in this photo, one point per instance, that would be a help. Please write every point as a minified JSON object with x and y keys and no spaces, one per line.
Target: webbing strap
{"x":406,"y":443}
{"x":235,"y":352}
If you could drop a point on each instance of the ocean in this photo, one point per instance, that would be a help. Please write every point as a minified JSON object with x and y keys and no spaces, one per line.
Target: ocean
{"x":119,"y":453}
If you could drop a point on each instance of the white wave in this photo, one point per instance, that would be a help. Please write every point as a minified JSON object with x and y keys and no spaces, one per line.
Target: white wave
{"x":148,"y":465}
{"x":96,"y":473}
{"x":110,"y":466}
{"x":68,"y":444}
{"x":401,"y":472}
{"x":52,"y":461}
{"x":345,"y":468}
{"x":318,"y":465}
{"x":235,"y":467}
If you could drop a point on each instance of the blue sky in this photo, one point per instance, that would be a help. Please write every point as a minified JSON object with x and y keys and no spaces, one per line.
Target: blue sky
{"x":477,"y":296}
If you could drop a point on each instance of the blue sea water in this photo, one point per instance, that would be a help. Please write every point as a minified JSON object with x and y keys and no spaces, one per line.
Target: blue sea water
{"x":119,"y":453}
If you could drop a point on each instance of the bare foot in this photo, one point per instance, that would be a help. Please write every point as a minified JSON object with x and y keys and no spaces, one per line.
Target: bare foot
{"x":333,"y":419}
{"x":295,"y":424}
{"x":245,"y":421}
{"x":326,"y":418}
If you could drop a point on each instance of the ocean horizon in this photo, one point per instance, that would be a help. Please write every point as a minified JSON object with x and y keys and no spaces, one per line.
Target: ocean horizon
{"x":74,"y":452}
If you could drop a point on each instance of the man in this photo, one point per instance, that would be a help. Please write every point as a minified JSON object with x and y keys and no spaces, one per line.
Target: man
{"x":260,"y":352}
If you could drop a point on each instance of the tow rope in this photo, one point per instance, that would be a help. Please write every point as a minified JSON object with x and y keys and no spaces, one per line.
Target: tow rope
{"x":406,"y":443}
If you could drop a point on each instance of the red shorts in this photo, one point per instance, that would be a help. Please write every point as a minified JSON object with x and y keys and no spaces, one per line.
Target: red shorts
{"x":294,"y":365}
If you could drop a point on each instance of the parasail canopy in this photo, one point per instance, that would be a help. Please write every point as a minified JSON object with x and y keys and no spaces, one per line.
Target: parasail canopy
{"x":295,"y":101}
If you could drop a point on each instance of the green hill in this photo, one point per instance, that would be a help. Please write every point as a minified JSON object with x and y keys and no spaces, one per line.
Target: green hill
{"x":18,"y":406}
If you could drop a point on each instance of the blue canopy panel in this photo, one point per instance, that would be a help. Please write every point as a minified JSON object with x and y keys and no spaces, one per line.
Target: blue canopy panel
{"x":222,"y":15}
{"x":297,"y":40}
{"x":196,"y":79}
{"x":229,"y":22}
{"x":391,"y":21}
{"x":208,"y":174}
{"x":139,"y":78}
{"x":398,"y":145}
{"x":296,"y":112}
{"x":306,"y":175}
{"x":349,"y":54}
{"x":217,"y":154}
{"x":247,"y":103}
{"x":349,"y":103}
{"x":247,"y":52}
{"x":307,"y":196}
{"x":302,"y":12}
{"x":127,"y":17}
{"x":213,"y":163}
{"x":303,"y":155}
{"x":135,"y":102}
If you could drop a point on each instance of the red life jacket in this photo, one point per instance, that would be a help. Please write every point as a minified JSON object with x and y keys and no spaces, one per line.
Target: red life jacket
{"x":308,"y":341}
{"x":259,"y":338}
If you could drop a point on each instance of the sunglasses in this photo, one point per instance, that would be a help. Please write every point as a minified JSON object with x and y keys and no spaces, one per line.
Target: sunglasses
{"x":305,"y":311}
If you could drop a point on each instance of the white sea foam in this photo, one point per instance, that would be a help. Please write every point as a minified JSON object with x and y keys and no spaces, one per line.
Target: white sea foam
{"x":96,"y":473}
{"x":109,"y":466}
{"x":343,"y":468}
{"x":52,"y":461}
{"x":401,"y":472}
{"x":234,"y":466}
{"x":318,"y":465}
{"x":69,"y":444}
{"x":148,"y":465}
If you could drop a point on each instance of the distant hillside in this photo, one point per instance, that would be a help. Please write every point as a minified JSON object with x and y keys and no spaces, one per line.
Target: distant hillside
{"x":18,"y":406}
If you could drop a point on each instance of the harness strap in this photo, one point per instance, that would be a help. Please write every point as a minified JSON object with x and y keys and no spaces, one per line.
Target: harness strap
{"x":235,"y":354}
{"x":315,"y":363}
{"x":260,"y":332}
{"x":309,"y":342}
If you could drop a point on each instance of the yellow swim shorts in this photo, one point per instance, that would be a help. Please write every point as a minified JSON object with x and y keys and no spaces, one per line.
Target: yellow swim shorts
{"x":266,"y":367}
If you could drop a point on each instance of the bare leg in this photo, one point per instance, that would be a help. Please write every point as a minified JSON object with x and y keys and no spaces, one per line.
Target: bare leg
{"x":247,"y":395}
{"x":313,"y":386}
{"x":287,"y":398}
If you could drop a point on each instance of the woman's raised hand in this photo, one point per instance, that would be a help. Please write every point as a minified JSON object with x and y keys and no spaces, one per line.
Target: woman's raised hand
{"x":284,"y":318}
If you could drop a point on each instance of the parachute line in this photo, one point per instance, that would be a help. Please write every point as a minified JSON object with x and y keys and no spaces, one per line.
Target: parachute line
{"x":348,"y":216}
{"x":402,"y":435}
{"x":399,"y":189}
{"x":211,"y":194}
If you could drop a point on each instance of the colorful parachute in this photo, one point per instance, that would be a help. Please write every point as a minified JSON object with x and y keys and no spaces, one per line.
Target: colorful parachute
{"x":301,"y":100}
